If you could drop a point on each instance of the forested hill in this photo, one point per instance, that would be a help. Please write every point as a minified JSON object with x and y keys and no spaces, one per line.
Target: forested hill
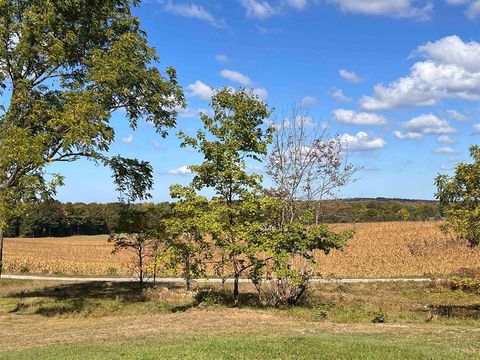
{"x":53,"y":218}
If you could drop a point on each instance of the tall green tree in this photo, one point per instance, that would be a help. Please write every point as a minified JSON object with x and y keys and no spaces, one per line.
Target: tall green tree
{"x":234,"y":134}
{"x":459,"y":197}
{"x":65,"y":66}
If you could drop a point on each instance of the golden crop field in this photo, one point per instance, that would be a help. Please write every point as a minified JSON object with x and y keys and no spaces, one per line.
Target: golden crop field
{"x":384,"y":249}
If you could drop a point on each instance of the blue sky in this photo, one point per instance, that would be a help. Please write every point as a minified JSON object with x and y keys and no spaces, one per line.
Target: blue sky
{"x":399,"y":80}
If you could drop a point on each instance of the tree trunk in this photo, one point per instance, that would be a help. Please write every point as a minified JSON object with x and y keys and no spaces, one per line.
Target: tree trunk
{"x":187,"y":273}
{"x":1,"y":251}
{"x":236,"y":292}
{"x":140,"y":268}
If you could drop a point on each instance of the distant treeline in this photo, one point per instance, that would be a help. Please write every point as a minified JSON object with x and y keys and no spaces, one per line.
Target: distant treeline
{"x":53,"y":218}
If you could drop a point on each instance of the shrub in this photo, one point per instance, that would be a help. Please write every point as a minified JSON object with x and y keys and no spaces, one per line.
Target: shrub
{"x":379,"y":317}
{"x":467,"y":284}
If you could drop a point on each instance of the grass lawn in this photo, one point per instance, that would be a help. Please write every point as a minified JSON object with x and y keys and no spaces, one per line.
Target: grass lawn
{"x":114,"y":321}
{"x":319,"y":346}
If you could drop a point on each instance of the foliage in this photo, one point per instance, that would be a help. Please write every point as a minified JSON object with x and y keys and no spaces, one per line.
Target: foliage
{"x":459,"y":197}
{"x":138,"y":232}
{"x":379,"y":317}
{"x":94,"y":219}
{"x":186,"y":231}
{"x":52,"y":218}
{"x":65,"y":67}
{"x":467,"y":284}
{"x":306,"y":166}
{"x":234,"y":134}
{"x":291,"y":249}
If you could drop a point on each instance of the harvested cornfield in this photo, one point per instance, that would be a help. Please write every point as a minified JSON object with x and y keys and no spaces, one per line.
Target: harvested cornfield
{"x":76,"y":255}
{"x":389,"y":249}
{"x":386,"y":249}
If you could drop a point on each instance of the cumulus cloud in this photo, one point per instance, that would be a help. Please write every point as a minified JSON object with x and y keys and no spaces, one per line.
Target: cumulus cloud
{"x":236,"y":76}
{"x":422,"y":125}
{"x":455,"y":115}
{"x":445,"y":139}
{"x":182,"y":170}
{"x":452,"y":50}
{"x":193,"y":11}
{"x":221,"y":58}
{"x":358,"y":118}
{"x":338,"y":95}
{"x":308,"y":101}
{"x":407,"y":135}
{"x":127,"y":139}
{"x":362,"y":142}
{"x":445,"y":150}
{"x":392,"y":8}
{"x":201,"y":90}
{"x":258,"y":9}
{"x":429,"y":124}
{"x":349,"y":76}
{"x":451,"y":71}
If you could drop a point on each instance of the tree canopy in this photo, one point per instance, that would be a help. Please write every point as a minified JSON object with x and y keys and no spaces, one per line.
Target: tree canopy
{"x":459,"y":197}
{"x":65,"y":66}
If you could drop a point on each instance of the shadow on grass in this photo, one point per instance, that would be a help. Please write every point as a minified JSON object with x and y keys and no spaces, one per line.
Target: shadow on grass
{"x":86,"y":297}
{"x":125,"y":292}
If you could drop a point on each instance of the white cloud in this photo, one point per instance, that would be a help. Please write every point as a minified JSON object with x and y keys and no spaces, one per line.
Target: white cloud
{"x":297,"y":4}
{"x":236,"y":76}
{"x":445,"y":150}
{"x":201,"y":90}
{"x":127,"y":139}
{"x":452,"y":50}
{"x":445,"y":139}
{"x":262,"y":93}
{"x":221,"y":58}
{"x":392,"y":8}
{"x":349,"y":76}
{"x":473,"y":10}
{"x":258,"y":9}
{"x":407,"y":135}
{"x":429,"y":124}
{"x":308,"y":101}
{"x":422,"y":125}
{"x":362,"y":142}
{"x":442,"y":76}
{"x":182,"y":170}
{"x":338,"y":95}
{"x":476,"y":129}
{"x":193,"y":11}
{"x":358,"y":118}
{"x":455,"y":115}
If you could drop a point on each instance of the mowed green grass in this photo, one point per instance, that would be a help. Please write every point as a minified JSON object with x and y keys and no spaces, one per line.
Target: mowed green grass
{"x":44,"y":320}
{"x":325,"y":346}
